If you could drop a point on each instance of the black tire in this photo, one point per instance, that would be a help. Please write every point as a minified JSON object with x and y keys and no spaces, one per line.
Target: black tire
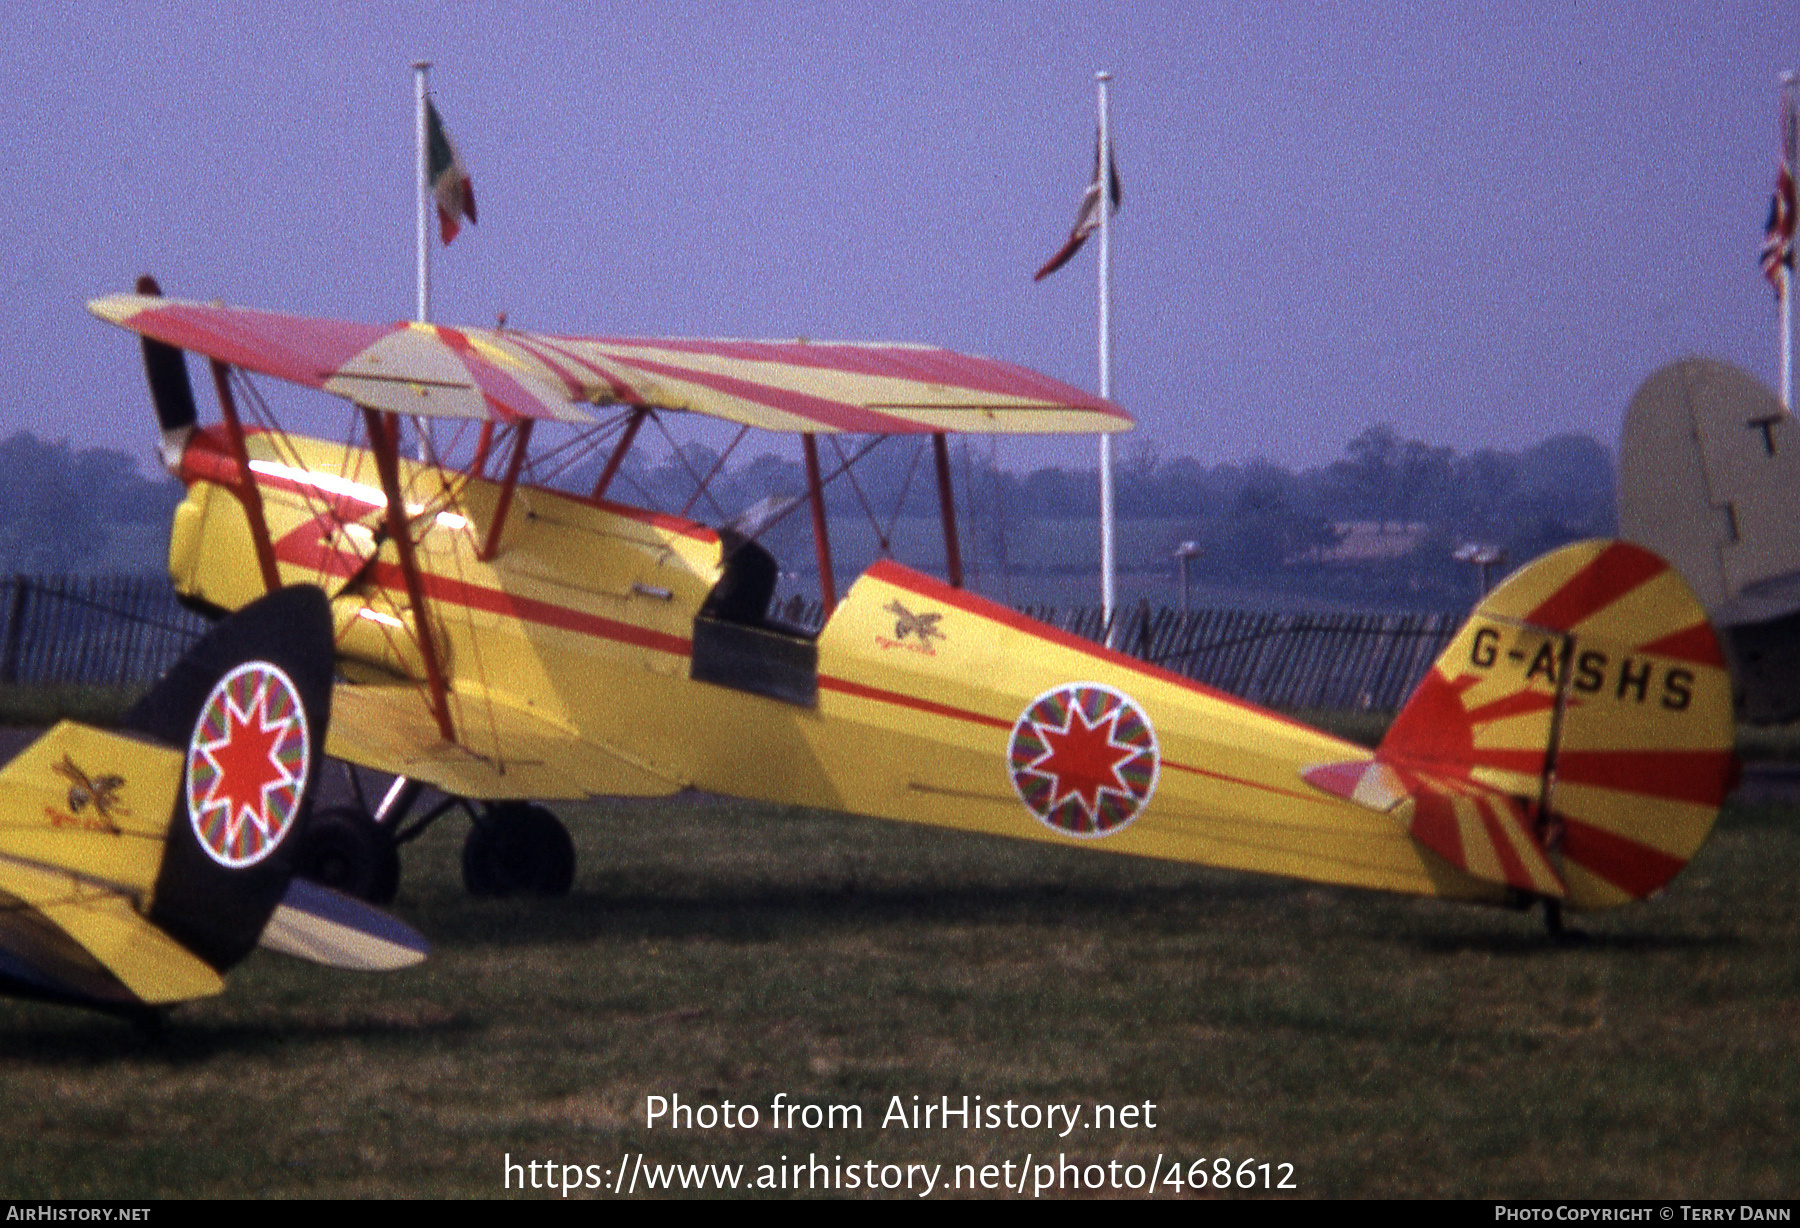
{"x":347,"y":850}
{"x":516,"y":848}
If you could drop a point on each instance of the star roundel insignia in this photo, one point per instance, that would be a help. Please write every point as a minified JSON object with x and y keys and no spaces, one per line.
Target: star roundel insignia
{"x":1083,"y":759}
{"x":247,"y":763}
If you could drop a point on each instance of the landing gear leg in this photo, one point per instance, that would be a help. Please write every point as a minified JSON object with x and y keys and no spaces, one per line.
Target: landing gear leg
{"x":1553,"y":923}
{"x":355,"y":848}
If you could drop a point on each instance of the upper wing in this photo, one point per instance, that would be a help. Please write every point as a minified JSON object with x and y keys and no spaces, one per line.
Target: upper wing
{"x":435,"y":371}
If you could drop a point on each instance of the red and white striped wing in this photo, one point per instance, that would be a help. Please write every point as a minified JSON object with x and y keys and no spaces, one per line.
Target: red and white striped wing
{"x":435,"y":371}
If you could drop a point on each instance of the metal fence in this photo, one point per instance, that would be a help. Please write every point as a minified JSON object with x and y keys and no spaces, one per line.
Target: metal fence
{"x":113,"y":630}
{"x":1365,"y":662}
{"x":105,"y":630}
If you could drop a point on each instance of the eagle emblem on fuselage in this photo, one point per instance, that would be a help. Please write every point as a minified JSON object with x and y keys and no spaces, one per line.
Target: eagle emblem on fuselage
{"x":100,"y":792}
{"x":906,"y":623}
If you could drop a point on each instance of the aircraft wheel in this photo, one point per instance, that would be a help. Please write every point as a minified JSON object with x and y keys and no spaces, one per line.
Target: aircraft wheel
{"x":347,"y":850}
{"x":517,"y":848}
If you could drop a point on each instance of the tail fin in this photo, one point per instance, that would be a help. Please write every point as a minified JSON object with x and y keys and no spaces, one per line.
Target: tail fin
{"x":197,"y":806}
{"x":249,"y":706}
{"x":1575,"y":740}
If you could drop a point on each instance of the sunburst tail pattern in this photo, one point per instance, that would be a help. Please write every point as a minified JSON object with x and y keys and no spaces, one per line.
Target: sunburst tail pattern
{"x":1575,"y":740}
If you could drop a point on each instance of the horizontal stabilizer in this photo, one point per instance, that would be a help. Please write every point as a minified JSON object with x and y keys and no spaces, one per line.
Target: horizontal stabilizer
{"x":327,"y":927}
{"x":1367,"y":782}
{"x":1479,"y":830}
{"x":103,"y":924}
{"x":1485,"y":833}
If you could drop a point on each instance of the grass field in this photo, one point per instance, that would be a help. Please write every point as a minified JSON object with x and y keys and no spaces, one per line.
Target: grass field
{"x":716,"y":950}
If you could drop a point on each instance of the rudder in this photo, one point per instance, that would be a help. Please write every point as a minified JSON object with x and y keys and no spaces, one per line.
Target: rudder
{"x":1575,"y":739}
{"x":249,"y":704}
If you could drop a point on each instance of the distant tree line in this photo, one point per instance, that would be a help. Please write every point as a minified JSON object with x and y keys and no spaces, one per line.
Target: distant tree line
{"x":60,"y":509}
{"x":1254,"y":522}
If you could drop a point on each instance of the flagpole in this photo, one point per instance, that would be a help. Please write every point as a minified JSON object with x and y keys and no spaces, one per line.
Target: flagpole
{"x":1789,"y":156}
{"x":1103,"y":179}
{"x":1787,"y":339}
{"x":421,"y":175}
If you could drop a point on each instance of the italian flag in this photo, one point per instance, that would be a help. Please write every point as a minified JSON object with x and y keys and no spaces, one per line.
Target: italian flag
{"x":448,"y":176}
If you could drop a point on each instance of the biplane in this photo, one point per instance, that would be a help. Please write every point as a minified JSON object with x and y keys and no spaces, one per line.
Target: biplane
{"x":510,"y":643}
{"x":139,"y":865}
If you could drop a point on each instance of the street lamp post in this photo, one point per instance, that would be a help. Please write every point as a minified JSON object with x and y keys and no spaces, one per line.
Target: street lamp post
{"x":1184,"y":554}
{"x":1483,"y":557}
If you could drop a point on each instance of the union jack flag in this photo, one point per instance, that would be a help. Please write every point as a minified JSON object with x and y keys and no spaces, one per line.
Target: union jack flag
{"x":1778,"y":235}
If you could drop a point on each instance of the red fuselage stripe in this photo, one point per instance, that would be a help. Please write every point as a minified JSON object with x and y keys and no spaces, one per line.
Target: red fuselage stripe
{"x":900,"y":699}
{"x":893,"y":573}
{"x":302,"y":548}
{"x":1239,"y":780}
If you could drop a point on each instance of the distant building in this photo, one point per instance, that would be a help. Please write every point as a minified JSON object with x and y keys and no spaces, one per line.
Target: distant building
{"x":1366,"y":541}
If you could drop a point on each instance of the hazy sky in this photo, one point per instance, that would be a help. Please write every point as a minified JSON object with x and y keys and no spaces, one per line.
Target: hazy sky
{"x":1479,"y":226}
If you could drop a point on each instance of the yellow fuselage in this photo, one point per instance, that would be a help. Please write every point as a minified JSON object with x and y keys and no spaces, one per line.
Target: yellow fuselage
{"x":569,"y":657}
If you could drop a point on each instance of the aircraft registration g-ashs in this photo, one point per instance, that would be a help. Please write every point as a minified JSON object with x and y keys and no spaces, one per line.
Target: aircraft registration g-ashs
{"x":509,"y":643}
{"x":137,"y":866}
